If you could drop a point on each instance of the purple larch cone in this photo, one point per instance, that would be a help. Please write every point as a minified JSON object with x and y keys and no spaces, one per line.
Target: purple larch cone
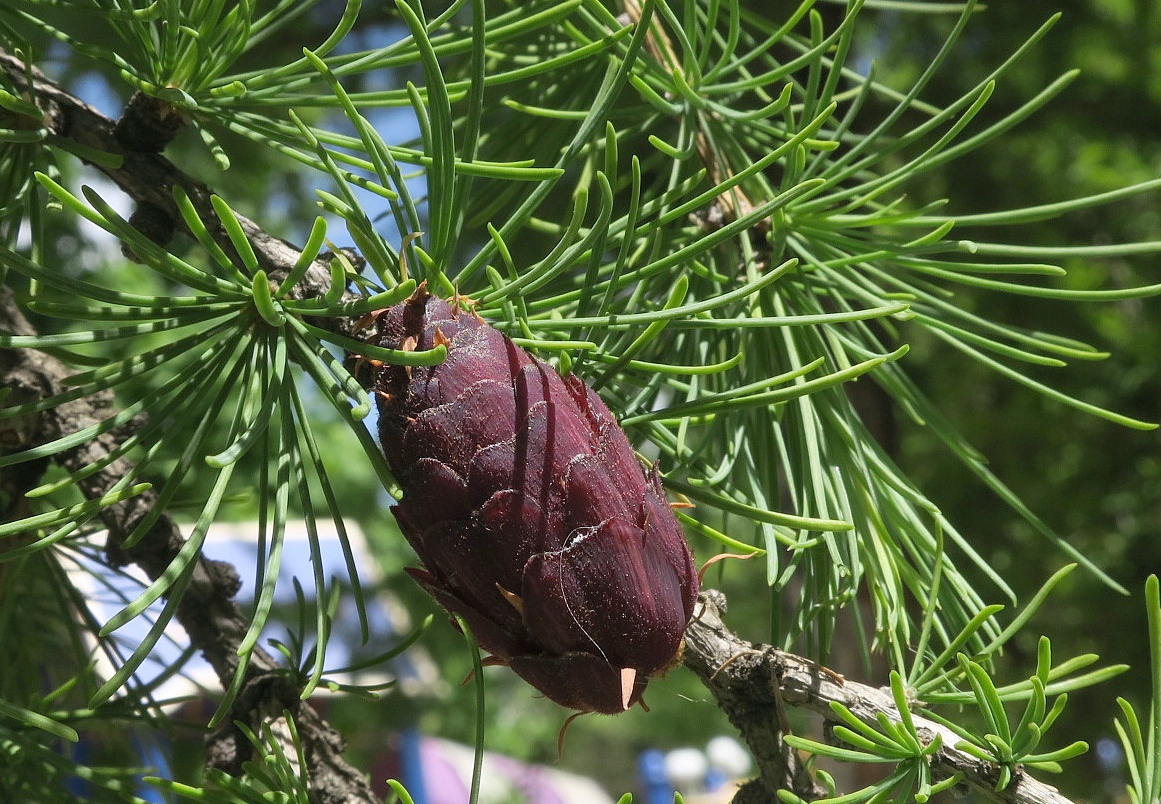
{"x":534,"y":519}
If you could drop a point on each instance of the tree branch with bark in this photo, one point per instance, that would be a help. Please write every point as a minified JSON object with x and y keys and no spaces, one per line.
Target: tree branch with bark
{"x":207,"y":611}
{"x":752,"y":683}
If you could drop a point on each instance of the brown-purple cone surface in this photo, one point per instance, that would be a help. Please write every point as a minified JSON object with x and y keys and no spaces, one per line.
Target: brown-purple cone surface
{"x":534,"y":520}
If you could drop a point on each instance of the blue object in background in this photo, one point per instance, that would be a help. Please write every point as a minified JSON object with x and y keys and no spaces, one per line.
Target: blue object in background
{"x":154,"y":753}
{"x":151,"y":749}
{"x":412,"y":765}
{"x":78,"y":752}
{"x":651,"y":771}
{"x":715,"y":779}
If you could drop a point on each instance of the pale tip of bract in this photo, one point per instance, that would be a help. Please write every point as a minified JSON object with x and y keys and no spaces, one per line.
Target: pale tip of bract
{"x":628,"y":677}
{"x":513,"y":599}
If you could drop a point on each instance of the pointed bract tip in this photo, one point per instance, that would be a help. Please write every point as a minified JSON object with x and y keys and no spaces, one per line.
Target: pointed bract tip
{"x":628,"y":678}
{"x":514,"y":599}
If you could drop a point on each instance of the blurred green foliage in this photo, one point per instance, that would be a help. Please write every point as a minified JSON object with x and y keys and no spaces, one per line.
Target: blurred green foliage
{"x":1098,"y":485}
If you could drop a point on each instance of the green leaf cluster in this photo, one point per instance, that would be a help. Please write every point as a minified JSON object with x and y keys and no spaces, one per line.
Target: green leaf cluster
{"x":233,"y":341}
{"x":889,"y":740}
{"x":1142,"y":742}
{"x":1010,"y":746}
{"x":278,"y":771}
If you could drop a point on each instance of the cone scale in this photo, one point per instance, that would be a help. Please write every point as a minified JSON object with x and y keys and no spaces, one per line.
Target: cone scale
{"x":533,"y":518}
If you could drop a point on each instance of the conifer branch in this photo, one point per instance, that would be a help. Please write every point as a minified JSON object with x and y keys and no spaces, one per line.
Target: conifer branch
{"x":149,"y":178}
{"x":752,"y":681}
{"x":208,"y":612}
{"x":211,"y":617}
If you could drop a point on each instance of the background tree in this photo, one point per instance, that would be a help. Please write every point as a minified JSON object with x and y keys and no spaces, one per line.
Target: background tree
{"x":717,"y":215}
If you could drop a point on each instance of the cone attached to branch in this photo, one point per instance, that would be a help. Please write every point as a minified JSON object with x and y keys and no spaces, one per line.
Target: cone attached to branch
{"x":534,"y":519}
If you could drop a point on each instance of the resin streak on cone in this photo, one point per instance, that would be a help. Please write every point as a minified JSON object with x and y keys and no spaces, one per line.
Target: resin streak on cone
{"x":534,"y":520}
